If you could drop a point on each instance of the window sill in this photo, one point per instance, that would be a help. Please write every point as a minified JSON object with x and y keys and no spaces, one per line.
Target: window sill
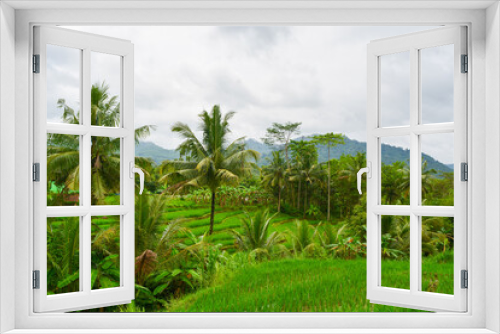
{"x":251,"y":331}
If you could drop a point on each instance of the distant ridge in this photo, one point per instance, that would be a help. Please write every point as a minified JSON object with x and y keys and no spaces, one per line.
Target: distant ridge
{"x":148,"y":149}
{"x":390,"y":154}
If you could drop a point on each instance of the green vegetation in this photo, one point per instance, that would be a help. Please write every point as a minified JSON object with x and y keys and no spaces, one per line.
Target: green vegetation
{"x":291,"y":285}
{"x":216,"y":232}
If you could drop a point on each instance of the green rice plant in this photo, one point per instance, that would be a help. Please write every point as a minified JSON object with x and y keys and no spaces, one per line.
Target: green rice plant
{"x":186,"y":213}
{"x":291,"y":285}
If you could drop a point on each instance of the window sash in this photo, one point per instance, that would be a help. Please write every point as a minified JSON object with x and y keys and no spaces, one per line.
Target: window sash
{"x":86,"y":298}
{"x":414,"y":298}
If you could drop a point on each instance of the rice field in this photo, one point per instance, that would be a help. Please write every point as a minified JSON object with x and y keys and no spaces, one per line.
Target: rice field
{"x":289,"y":285}
{"x":292,"y":285}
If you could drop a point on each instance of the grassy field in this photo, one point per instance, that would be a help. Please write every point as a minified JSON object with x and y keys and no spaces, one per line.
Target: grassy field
{"x":292,"y":285}
{"x":289,"y":285}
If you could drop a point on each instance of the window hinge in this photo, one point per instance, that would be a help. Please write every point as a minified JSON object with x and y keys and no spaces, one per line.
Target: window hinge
{"x":36,"y":63}
{"x":464,"y":171}
{"x":465,"y":64}
{"x":36,"y":279}
{"x":465,"y":279}
{"x":36,"y":172}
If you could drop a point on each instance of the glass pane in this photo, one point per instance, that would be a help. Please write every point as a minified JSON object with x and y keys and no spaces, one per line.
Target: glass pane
{"x":395,"y":173}
{"x":395,"y":251}
{"x":105,"y":252}
{"x":105,"y":77}
{"x":437,"y":254}
{"x":437,"y":169}
{"x":395,"y":89}
{"x":63,"y":255}
{"x":63,"y":170}
{"x":437,"y":84}
{"x":63,"y":84}
{"x":105,"y":170}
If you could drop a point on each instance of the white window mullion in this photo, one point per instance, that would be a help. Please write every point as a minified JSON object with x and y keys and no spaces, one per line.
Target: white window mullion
{"x":85,"y":254}
{"x":40,"y":156}
{"x":85,"y":177}
{"x":414,"y":172}
{"x":373,"y":183}
{"x":127,"y":231}
{"x":460,"y":156}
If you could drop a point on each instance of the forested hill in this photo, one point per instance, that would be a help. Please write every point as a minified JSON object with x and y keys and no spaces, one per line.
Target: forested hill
{"x":390,"y":153}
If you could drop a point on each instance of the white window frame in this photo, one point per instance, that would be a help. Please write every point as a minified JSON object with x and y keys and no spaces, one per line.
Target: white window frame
{"x":483,"y":101}
{"x":413,"y":44}
{"x":85,"y":298}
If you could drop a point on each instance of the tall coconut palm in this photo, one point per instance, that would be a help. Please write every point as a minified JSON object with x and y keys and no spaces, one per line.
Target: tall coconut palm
{"x":313,"y":175}
{"x":212,"y":161}
{"x":275,"y":175}
{"x":305,"y":156}
{"x":330,"y":140}
{"x":428,"y":175}
{"x":63,"y":153}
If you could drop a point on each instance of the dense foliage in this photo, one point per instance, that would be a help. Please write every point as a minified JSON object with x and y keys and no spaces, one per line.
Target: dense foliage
{"x":214,"y":232}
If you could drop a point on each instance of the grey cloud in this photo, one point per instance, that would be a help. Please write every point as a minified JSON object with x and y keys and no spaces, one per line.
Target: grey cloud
{"x":253,"y":39}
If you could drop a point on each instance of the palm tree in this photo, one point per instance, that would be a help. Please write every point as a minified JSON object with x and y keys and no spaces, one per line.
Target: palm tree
{"x":105,"y":252}
{"x":304,"y":239}
{"x":282,"y":134}
{"x":395,"y":183}
{"x":348,"y":169}
{"x":330,"y":140}
{"x":212,"y":162}
{"x":63,"y":150}
{"x":63,"y":158}
{"x":62,"y":254}
{"x":255,"y":236}
{"x":307,"y":169}
{"x":148,"y":221}
{"x":275,"y":175}
{"x":426,"y":179}
{"x":312,"y":175}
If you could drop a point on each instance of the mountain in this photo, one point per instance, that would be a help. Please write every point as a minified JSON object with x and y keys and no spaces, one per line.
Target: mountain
{"x":148,"y":149}
{"x":390,"y":154}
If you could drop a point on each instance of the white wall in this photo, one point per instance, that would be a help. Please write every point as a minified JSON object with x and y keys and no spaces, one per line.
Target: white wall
{"x":23,"y":158}
{"x":492,"y":166}
{"x":7,"y":159}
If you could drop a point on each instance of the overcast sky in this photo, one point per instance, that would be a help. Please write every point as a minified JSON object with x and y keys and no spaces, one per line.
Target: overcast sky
{"x":314,"y":75}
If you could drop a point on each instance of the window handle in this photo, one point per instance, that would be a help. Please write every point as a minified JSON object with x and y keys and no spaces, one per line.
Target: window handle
{"x":368,"y":171}
{"x":139,"y":171}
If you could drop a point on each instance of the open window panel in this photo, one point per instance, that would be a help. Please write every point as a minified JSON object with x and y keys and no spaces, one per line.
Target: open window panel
{"x":72,"y":172}
{"x":403,"y":109}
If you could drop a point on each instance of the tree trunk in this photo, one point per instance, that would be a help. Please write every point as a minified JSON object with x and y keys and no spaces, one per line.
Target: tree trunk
{"x":286,"y":155}
{"x":279,"y":200}
{"x":212,"y":214}
{"x":298,"y":196}
{"x":329,"y":171}
{"x":305,"y":200}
